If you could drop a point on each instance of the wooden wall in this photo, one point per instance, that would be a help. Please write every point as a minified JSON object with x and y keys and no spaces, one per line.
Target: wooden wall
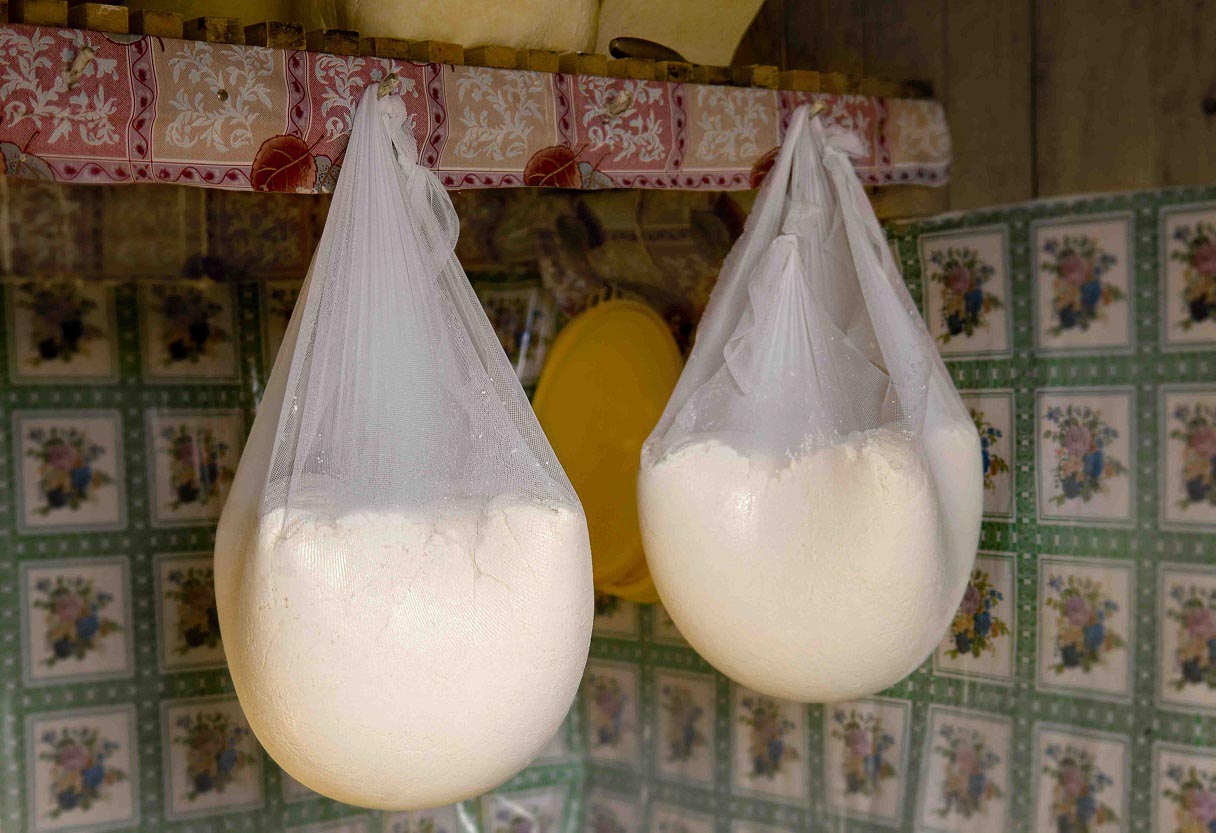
{"x":1045,"y":97}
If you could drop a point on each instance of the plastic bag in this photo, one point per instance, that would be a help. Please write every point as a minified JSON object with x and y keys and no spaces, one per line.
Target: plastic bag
{"x":403,"y":573}
{"x":810,"y":499}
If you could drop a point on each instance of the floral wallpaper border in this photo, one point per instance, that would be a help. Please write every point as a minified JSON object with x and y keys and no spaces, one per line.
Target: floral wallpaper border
{"x":148,"y":109}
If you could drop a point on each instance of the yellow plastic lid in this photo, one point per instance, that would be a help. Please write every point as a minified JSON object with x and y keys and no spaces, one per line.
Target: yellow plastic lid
{"x":607,"y":379}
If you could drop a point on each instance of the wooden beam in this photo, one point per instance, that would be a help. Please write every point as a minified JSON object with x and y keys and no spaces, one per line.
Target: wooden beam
{"x":680,"y":71}
{"x":157,"y":24}
{"x":214,"y":30}
{"x":583,"y":63}
{"x":537,"y":60}
{"x":880,"y":88}
{"x":276,"y":35}
{"x":333,"y":41}
{"x":639,"y":69}
{"x":800,"y":80}
{"x":39,"y":12}
{"x":755,"y":75}
{"x":836,"y":83}
{"x":919,"y":88}
{"x":704,"y":74}
{"x":99,"y":17}
{"x":395,"y":48}
{"x":436,"y":52}
{"x":499,"y":57}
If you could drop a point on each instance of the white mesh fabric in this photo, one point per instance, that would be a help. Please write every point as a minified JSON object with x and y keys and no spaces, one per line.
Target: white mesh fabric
{"x":399,"y":393}
{"x":810,"y":333}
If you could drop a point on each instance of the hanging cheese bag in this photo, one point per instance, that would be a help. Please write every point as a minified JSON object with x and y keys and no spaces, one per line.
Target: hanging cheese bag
{"x":402,"y":569}
{"x":810,"y":499}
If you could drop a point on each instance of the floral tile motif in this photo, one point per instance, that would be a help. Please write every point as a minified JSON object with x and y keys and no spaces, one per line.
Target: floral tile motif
{"x":1083,"y":285}
{"x":530,"y":811}
{"x":608,"y":814}
{"x":212,"y":762}
{"x":76,"y":620}
{"x":81,"y":770}
{"x":866,"y":758}
{"x":1085,"y":626}
{"x":769,"y":746}
{"x":1184,"y":789}
{"x":684,"y":726}
{"x":1186,"y":622}
{"x":663,"y":629}
{"x":61,"y":331}
{"x":439,"y":820}
{"x":187,"y":623}
{"x":981,"y":640}
{"x":668,"y":818}
{"x":523,"y":317}
{"x":964,"y":783}
{"x":70,"y":465}
{"x":189,"y":331}
{"x":1188,"y":450}
{"x":613,"y":723}
{"x":1085,"y":455}
{"x":992,"y":413}
{"x":967,"y":291}
{"x":615,"y":617}
{"x":278,"y":302}
{"x":1081,"y":780}
{"x":1188,"y":275}
{"x":192,"y":458}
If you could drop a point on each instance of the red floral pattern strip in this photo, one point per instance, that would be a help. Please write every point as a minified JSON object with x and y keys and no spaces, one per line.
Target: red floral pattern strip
{"x":248,"y":118}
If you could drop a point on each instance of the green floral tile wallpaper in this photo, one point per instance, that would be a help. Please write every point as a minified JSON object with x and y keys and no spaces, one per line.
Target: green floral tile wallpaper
{"x":1075,"y":691}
